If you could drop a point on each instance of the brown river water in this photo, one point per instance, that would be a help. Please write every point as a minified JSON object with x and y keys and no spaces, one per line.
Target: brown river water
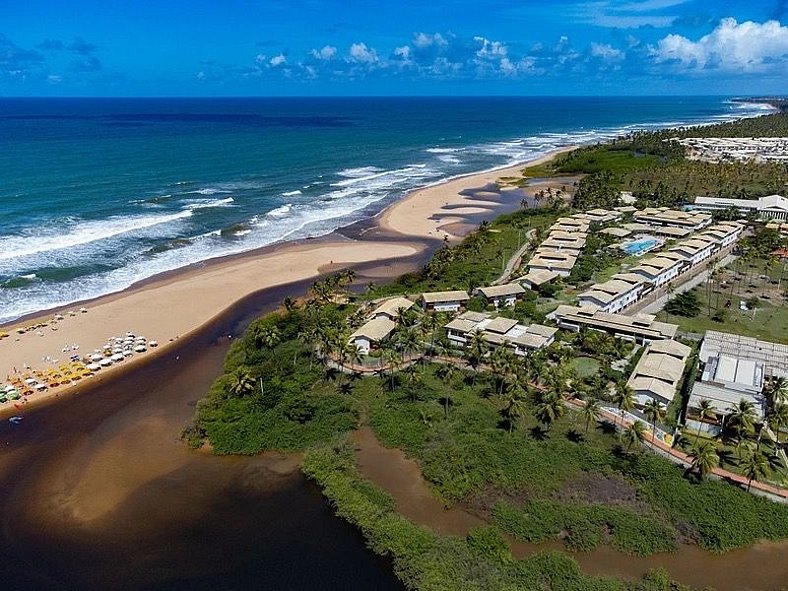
{"x":98,"y":492}
{"x":763,"y":567}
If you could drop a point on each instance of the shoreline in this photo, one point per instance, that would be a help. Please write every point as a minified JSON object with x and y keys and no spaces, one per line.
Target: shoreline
{"x":163,"y":307}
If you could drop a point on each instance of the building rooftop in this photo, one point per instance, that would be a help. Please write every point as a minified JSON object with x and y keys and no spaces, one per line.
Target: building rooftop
{"x":645,"y":325}
{"x":497,"y":291}
{"x":435,"y":297}
{"x":391,"y":307}
{"x":539,"y":277}
{"x":375,"y":330}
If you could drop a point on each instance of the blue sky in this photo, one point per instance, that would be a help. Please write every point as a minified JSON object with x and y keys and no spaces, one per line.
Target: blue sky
{"x":408,"y":47}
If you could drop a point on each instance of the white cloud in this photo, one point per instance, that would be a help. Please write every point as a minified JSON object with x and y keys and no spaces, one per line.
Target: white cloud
{"x":490,"y":49}
{"x":54,"y":79}
{"x":403,"y":52}
{"x":423,"y":40}
{"x":260,"y":58}
{"x":359,"y":52}
{"x":277,"y":60}
{"x":326,"y":52}
{"x":747,"y":46}
{"x":606,"y":51}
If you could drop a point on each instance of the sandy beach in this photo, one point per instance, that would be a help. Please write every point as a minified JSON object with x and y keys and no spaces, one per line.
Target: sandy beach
{"x":171,"y":307}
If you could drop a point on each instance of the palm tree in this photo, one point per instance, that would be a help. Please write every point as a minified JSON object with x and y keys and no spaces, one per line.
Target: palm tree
{"x":307,"y":336}
{"x":654,"y":412}
{"x":755,"y":466}
{"x":446,"y":373}
{"x":670,"y":289}
{"x":390,"y":357}
{"x":269,"y":337}
{"x":704,"y":457}
{"x":475,"y":350}
{"x":779,"y":415}
{"x":705,"y":410}
{"x":778,"y":390}
{"x":515,"y":405}
{"x":591,"y":412}
{"x":502,"y":363}
{"x":741,"y":419}
{"x":634,"y":433}
{"x":550,"y":408}
{"x":431,"y":323}
{"x":241,"y":382}
{"x":624,"y":397}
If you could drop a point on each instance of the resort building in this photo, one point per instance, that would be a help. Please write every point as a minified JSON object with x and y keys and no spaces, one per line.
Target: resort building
{"x":536,"y":279}
{"x":498,"y":331}
{"x":773,"y":207}
{"x":444,"y":301}
{"x":734,"y":368}
{"x":373,"y":333}
{"x":626,"y":209}
{"x":559,"y":240}
{"x":559,"y":262}
{"x":662,"y":216}
{"x":658,"y":270}
{"x":781,"y":227}
{"x":695,"y":250}
{"x":571,"y":225}
{"x":599,"y":216}
{"x":729,"y":149}
{"x":392,"y":308}
{"x":659,"y":371}
{"x":665,"y":231}
{"x":502,"y":295}
{"x":640,"y":328}
{"x":613,"y":295}
{"x":616,"y":232}
{"x":725,"y":233}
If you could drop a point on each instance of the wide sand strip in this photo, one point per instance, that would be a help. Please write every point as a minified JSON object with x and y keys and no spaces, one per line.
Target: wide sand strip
{"x":168,"y":308}
{"x":418,"y":213}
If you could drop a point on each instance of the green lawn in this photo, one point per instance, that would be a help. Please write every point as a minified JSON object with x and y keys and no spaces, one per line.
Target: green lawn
{"x":585,"y":366}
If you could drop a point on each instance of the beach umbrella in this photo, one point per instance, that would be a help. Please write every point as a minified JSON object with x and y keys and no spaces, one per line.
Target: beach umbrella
{"x":117,"y":357}
{"x":94,"y":367}
{"x":140,"y":348}
{"x":153,"y":344}
{"x":106,"y":362}
{"x":40,"y":386}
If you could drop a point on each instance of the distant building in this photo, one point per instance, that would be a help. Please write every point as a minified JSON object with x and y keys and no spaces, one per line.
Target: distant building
{"x":498,"y":331}
{"x":658,"y":270}
{"x":502,"y":295}
{"x":371,"y":334}
{"x":444,"y":301}
{"x":773,"y":207}
{"x":659,"y":371}
{"x":734,"y":368}
{"x":640,"y":328}
{"x":560,"y":262}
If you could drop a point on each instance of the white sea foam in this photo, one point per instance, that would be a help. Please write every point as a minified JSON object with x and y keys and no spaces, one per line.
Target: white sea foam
{"x":60,"y":235}
{"x":292,"y":193}
{"x":29,"y":276}
{"x":207,"y":203}
{"x":279,"y":212}
{"x":208,"y":191}
{"x":362,"y":171}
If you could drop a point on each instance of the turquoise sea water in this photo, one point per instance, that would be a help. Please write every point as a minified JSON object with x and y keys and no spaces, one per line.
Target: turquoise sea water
{"x":97,"y":194}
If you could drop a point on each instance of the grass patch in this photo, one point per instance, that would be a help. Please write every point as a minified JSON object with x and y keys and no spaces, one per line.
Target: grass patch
{"x":585,"y":367}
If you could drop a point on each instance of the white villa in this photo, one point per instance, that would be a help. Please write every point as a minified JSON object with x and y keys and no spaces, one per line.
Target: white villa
{"x":658,"y":372}
{"x":371,"y":334}
{"x":502,"y":295}
{"x":498,"y":331}
{"x":613,"y":295}
{"x":444,"y":301}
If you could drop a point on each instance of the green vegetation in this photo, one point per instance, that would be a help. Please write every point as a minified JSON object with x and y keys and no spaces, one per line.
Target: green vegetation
{"x":478,"y":259}
{"x":653,"y":167}
{"x":585,"y":367}
{"x":431,"y":562}
{"x":684,"y":304}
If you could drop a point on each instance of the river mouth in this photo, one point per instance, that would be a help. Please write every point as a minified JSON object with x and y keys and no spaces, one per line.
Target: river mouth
{"x":762,"y":567}
{"x":99,"y":492}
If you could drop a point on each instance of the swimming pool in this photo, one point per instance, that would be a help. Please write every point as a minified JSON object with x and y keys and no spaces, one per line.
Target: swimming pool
{"x":640,"y":246}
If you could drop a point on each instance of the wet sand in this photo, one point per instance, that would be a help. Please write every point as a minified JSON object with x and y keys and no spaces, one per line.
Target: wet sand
{"x":761,"y":567}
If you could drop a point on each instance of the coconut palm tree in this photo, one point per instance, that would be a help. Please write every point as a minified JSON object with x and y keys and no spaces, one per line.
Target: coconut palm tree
{"x":704,"y":457}
{"x":654,"y":412}
{"x":704,"y":411}
{"x":515,"y":407}
{"x":779,"y":415}
{"x":431,"y":323}
{"x":634,"y":433}
{"x":741,"y":418}
{"x":475,"y":351}
{"x":502,"y":364}
{"x":591,"y":412}
{"x":269,"y":337}
{"x":391,"y":358}
{"x":241,"y":382}
{"x":755,"y":465}
{"x":408,"y":341}
{"x":549,"y":409}
{"x":624,"y":397}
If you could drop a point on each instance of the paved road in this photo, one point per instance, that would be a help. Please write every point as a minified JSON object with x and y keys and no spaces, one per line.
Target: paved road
{"x":657,"y":305}
{"x":513,"y":262}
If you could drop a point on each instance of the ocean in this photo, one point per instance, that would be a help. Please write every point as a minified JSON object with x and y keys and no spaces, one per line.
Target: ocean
{"x":98,"y":194}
